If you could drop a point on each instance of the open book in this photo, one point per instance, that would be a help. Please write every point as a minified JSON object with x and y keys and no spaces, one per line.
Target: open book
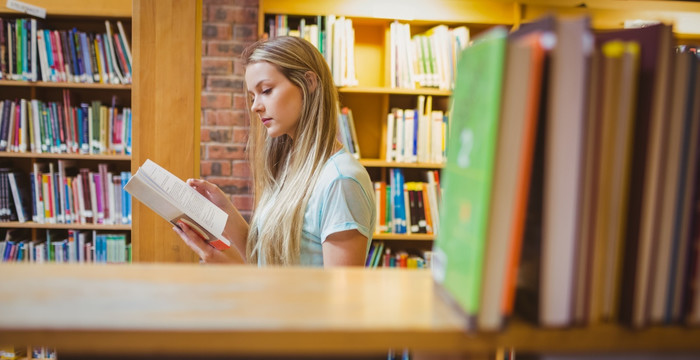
{"x":174,"y":200}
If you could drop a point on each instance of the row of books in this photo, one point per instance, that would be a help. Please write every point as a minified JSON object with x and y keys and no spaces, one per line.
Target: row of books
{"x":66,"y":195}
{"x":29,"y":52}
{"x":427,"y":59}
{"x":347,"y":133}
{"x":417,"y":135}
{"x":57,"y":127}
{"x":573,"y":168}
{"x":333,"y":36}
{"x":381,"y":256}
{"x":408,"y":207}
{"x":35,"y":352}
{"x":73,"y":246}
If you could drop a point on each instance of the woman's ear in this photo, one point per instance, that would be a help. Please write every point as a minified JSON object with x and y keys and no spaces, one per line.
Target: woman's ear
{"x":312,"y":80}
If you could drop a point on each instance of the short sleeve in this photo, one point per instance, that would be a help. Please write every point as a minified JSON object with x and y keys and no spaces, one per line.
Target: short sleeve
{"x":346,"y":206}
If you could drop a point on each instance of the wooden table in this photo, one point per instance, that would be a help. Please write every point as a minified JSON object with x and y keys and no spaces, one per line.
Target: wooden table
{"x":214,"y":310}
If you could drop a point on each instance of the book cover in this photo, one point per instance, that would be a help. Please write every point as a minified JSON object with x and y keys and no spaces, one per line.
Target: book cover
{"x":476,"y":102}
{"x":511,"y":182}
{"x":174,"y":200}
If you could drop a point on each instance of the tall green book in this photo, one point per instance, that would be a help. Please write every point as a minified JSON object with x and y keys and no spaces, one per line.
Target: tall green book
{"x":467,"y":177}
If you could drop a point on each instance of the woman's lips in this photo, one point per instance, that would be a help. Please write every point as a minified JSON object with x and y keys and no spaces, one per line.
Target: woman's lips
{"x":265,"y":121}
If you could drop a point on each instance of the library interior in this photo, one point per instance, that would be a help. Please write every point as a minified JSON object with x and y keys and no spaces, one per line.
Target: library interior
{"x":535,"y":167}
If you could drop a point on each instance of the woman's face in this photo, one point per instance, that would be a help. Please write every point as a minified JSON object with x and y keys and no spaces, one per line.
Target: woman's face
{"x":274,"y":98}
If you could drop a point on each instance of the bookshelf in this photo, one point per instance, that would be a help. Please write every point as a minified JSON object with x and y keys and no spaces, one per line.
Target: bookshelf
{"x":86,"y":17}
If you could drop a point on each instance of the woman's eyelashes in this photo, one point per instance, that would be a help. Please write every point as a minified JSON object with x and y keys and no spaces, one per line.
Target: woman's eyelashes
{"x":267,"y":91}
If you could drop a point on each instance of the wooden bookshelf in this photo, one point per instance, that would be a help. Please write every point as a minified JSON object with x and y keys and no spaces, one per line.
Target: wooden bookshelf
{"x":29,"y":155}
{"x":85,"y":16}
{"x":392,"y":91}
{"x":195,"y":310}
{"x":403,"y":237}
{"x":64,"y":85}
{"x":389,"y":164}
{"x":77,"y":226}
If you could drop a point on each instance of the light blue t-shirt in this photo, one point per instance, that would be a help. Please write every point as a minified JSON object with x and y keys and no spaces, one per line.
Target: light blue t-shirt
{"x":343,"y":199}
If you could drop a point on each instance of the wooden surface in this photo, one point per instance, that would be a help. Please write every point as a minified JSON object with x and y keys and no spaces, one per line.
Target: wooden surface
{"x":166,"y":110}
{"x":443,"y":11}
{"x":64,"y":85}
{"x":102,"y":8}
{"x":213,"y":310}
{"x":33,"y":225}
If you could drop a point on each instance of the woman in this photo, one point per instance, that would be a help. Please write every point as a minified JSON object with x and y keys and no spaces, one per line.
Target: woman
{"x":315,"y":202}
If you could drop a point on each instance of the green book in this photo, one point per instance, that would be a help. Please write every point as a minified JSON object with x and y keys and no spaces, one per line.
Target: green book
{"x":467,"y":176}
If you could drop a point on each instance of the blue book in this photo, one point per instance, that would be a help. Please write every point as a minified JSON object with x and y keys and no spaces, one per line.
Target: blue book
{"x":402,"y":200}
{"x":370,"y":255}
{"x":49,"y":55}
{"x":74,"y":41}
{"x":416,"y":121}
{"x":68,"y":36}
{"x":35,"y":215}
{"x":8,"y":250}
{"x":20,"y":251}
{"x":127,"y":120}
{"x":84,"y":128}
{"x":87,"y":59}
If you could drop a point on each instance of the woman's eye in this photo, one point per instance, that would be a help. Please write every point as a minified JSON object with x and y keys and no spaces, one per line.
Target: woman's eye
{"x":266,"y":91}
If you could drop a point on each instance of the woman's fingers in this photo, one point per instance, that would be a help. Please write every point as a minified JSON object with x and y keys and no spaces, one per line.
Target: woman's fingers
{"x":205,"y":251}
{"x":193,"y":240}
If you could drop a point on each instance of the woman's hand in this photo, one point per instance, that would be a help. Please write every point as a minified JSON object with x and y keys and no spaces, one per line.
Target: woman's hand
{"x":213,"y":193}
{"x":206,"y":252}
{"x":236,"y":229}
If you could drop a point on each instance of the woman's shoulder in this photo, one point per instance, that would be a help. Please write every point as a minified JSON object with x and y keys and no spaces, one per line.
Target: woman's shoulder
{"x":343,"y":165}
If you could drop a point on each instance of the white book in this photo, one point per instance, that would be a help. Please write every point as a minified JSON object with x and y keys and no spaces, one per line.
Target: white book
{"x":33,"y":73}
{"x":37,"y":128}
{"x":390,"y":121}
{"x":437,"y":137}
{"x":21,"y":216}
{"x":398,"y":152}
{"x":409,"y":154}
{"x":174,"y":200}
{"x":81,"y":199}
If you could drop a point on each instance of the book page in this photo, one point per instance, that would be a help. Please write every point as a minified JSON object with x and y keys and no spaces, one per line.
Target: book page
{"x":186,"y":198}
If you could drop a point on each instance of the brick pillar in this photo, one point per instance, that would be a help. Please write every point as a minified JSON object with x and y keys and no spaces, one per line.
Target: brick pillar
{"x":228,"y":26}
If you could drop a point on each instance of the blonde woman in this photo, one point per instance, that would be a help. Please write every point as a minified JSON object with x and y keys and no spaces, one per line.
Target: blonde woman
{"x":315,"y":202}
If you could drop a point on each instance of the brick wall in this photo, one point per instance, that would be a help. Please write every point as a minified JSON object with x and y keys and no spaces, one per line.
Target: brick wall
{"x":228,"y":26}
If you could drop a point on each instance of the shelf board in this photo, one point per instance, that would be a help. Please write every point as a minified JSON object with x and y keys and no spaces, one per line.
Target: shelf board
{"x":88,"y":8}
{"x":401,"y":309}
{"x":394,"y":164}
{"x":403,"y":237}
{"x":30,"y":155}
{"x":392,"y":91}
{"x":33,"y":225}
{"x":64,"y":85}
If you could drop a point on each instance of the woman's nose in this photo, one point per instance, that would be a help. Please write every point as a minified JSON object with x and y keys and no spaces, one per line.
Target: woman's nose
{"x":256,"y":106}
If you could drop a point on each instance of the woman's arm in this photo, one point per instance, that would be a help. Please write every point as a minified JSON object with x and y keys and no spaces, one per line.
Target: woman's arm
{"x":345,"y":248}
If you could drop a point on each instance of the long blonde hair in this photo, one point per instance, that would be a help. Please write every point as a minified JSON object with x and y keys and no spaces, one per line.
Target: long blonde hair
{"x":285,"y":170}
